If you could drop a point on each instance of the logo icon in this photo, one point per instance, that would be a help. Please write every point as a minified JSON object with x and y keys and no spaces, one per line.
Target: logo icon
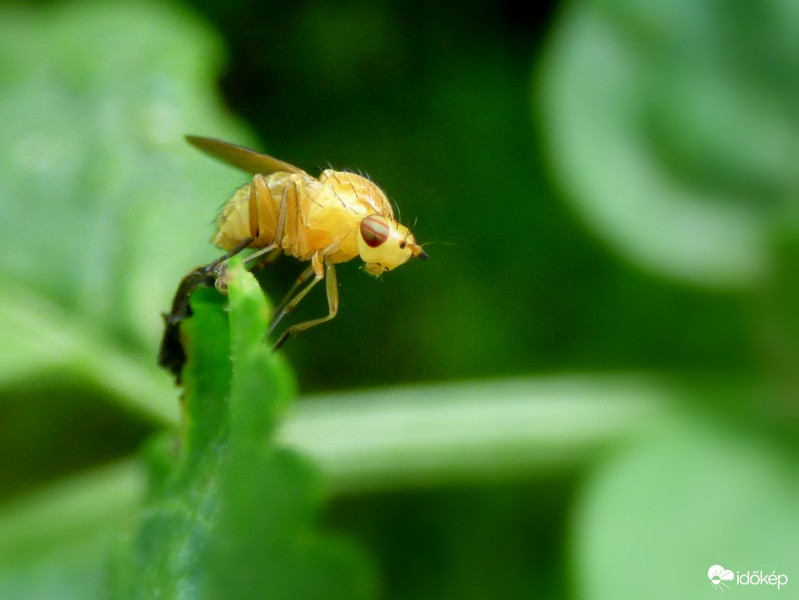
{"x":718,"y":575}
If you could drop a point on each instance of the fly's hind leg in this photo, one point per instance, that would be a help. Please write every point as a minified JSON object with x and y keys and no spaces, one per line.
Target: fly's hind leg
{"x":331,"y":287}
{"x":205,"y":276}
{"x":254,"y":262}
{"x":260,"y":196}
{"x":263,"y":216}
{"x":221,"y":278}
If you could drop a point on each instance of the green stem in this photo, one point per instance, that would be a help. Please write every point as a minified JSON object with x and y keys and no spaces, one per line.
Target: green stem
{"x":416,"y":436}
{"x":400,"y":437}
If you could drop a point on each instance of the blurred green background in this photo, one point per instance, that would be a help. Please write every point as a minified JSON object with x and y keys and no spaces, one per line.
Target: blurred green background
{"x":611,"y":195}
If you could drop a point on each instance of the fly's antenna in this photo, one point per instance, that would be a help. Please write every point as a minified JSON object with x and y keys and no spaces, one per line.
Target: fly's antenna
{"x":438,"y":243}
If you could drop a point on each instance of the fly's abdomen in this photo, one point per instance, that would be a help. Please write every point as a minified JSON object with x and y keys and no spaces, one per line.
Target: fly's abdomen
{"x":233,"y":223}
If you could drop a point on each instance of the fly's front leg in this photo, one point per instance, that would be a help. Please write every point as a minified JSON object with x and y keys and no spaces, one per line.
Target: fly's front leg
{"x":331,"y":286}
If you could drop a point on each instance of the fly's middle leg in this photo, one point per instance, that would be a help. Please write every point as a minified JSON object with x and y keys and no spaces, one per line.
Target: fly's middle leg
{"x":293,"y":298}
{"x":331,"y":286}
{"x":281,"y":309}
{"x":261,"y":213}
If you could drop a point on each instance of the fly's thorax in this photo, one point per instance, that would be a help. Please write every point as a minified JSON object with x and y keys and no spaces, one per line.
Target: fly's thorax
{"x":357,"y":192}
{"x":384,"y":244}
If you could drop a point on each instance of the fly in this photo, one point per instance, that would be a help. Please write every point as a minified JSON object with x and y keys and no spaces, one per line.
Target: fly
{"x":323,"y":220}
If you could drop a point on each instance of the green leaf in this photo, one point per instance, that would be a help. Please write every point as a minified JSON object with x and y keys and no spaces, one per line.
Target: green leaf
{"x":54,"y":542}
{"x":103,"y":206}
{"x":495,"y":430}
{"x":101,"y":211}
{"x":691,"y":493}
{"x":234,"y":517}
{"x":672,"y":129}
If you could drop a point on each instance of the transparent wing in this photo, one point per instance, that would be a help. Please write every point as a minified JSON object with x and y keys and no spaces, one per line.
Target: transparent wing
{"x":241,"y":157}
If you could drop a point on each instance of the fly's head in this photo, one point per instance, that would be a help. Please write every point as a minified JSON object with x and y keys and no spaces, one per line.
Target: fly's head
{"x":384,"y":244}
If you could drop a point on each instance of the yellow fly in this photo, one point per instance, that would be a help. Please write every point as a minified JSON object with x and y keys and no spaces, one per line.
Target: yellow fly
{"x":326,"y":220}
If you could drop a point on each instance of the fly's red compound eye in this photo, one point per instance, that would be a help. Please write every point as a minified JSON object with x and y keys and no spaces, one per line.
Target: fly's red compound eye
{"x":374,"y":230}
